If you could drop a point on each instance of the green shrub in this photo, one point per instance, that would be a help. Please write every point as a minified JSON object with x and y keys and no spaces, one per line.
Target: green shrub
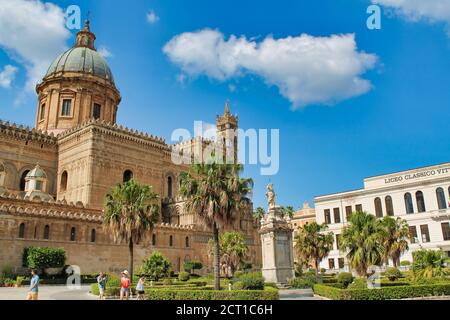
{"x":238,"y":285}
{"x":19,"y":281}
{"x":252,"y":281}
{"x":238,"y":274}
{"x":7,"y":272}
{"x":323,"y":270}
{"x":392,"y":274}
{"x":345,"y":278}
{"x":305,"y":281}
{"x":168,"y":294}
{"x":405,"y":263}
{"x":183,"y":276}
{"x":358,"y":283}
{"x":167,"y":282}
{"x":190,"y":266}
{"x":44,"y":257}
{"x":392,"y":292}
{"x":270,"y":284}
{"x":156,"y":266}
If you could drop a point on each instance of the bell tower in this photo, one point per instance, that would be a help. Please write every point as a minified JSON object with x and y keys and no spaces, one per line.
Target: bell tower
{"x":227,"y":125}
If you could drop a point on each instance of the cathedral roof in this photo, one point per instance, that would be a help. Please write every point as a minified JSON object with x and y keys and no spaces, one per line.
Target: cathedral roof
{"x":82,"y":57}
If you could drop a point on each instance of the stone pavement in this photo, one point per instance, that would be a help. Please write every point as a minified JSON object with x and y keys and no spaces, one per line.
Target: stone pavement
{"x":299,"y":294}
{"x":46,"y":292}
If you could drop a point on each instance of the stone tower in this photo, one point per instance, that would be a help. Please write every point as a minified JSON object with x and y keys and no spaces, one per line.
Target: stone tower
{"x":78,"y":86}
{"x":227,"y":135}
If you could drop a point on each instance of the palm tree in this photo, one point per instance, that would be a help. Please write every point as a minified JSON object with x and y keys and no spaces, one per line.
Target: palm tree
{"x":259,"y":213}
{"x":395,"y":233}
{"x":430,"y":264}
{"x":130,"y":212}
{"x":216,"y":193}
{"x":287,"y":212}
{"x":312,"y":244}
{"x":362,"y":239}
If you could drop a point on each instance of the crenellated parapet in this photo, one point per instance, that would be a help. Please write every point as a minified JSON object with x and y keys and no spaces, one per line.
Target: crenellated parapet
{"x":21,"y":132}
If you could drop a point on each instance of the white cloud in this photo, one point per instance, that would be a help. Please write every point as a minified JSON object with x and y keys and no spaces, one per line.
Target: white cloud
{"x":7,"y":76}
{"x":104,"y":52}
{"x":232,"y":87}
{"x":32,"y":33}
{"x":306,"y":69}
{"x":415,"y":10}
{"x":152,"y":17}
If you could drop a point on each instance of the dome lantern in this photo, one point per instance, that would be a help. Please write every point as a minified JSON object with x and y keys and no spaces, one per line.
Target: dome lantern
{"x":85,"y":38}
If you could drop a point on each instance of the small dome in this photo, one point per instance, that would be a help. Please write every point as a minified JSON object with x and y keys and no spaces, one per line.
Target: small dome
{"x":81,"y":59}
{"x":37,"y":172}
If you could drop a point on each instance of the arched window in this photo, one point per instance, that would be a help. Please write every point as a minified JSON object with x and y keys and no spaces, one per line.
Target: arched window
{"x":169,"y":187}
{"x":22,"y":180}
{"x":154,"y":239}
{"x":408,"y":203}
{"x":63,"y":185}
{"x":46,"y":232}
{"x":378,"y":208}
{"x":171,"y":241}
{"x":127,"y":175}
{"x":187,"y":242}
{"x":73,"y":234}
{"x":2,"y":174}
{"x":389,"y":206}
{"x":93,"y":234}
{"x":440,"y":195}
{"x":22,"y":230}
{"x":420,"y":201}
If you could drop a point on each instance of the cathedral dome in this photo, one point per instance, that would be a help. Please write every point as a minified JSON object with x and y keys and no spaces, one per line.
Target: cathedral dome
{"x":81,"y":59}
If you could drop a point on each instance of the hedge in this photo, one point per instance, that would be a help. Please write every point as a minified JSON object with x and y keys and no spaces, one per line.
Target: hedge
{"x":174,"y":294}
{"x":43,"y":257}
{"x":384,"y":293}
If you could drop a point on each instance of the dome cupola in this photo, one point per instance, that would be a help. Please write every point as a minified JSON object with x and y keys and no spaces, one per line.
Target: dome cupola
{"x":78,"y":86}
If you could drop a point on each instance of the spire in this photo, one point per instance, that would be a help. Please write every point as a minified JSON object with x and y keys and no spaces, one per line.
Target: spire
{"x":227,"y":108}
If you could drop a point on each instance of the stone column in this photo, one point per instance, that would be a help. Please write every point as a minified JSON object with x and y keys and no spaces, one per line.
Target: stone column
{"x":276,"y":245}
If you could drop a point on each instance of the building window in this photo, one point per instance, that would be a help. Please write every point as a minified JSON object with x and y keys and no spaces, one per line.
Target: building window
{"x":171,"y":241}
{"x":358,"y":208}
{"x":42,"y":112}
{"x":46,"y":232}
{"x":413,"y":234}
{"x":446,"y":230}
{"x":187,"y":242}
{"x":338,"y":241}
{"x":66,"y":106}
{"x":420,"y":201}
{"x":348,"y":212}
{"x":96,"y":111}
{"x":153,"y":239}
{"x":35,"y":232}
{"x":63,"y":184}
{"x":378,"y":208}
{"x":38,"y":185}
{"x":425,"y":233}
{"x":169,"y":187}
{"x":331,"y":264}
{"x":22,"y":180}
{"x":337,"y":215}
{"x":73,"y":234}
{"x":327,"y":216}
{"x":22,"y":230}
{"x":341,"y":263}
{"x":408,"y":203}
{"x":441,"y":198}
{"x":93,"y":235}
{"x":127,"y":175}
{"x":389,"y":206}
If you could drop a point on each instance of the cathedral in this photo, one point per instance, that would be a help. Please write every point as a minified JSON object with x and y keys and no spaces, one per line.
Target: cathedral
{"x":54,"y":177}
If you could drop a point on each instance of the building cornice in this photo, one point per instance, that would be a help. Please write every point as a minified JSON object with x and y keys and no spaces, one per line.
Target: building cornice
{"x":21,"y":132}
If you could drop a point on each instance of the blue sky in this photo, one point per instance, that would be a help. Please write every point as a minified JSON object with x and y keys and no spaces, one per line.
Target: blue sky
{"x":328,"y":143}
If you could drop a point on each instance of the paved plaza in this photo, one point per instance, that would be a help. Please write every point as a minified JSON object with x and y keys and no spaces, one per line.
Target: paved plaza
{"x":54,"y":292}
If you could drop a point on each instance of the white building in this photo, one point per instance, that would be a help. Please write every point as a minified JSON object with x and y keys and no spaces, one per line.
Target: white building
{"x":420,"y":196}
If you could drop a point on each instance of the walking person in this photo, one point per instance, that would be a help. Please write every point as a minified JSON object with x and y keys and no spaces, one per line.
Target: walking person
{"x":125,"y":285}
{"x":34,"y":286}
{"x":140,"y":289}
{"x":101,"y":281}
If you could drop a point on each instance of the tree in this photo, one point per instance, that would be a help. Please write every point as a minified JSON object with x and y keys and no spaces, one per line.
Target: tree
{"x":395,"y":233}
{"x":259,"y":213}
{"x":130,"y":212}
{"x":190,"y":266}
{"x":233,"y":251}
{"x":287,"y":211}
{"x":429,"y":264}
{"x":313,"y":244}
{"x":156,"y":266}
{"x":362,"y":239}
{"x":215,"y":193}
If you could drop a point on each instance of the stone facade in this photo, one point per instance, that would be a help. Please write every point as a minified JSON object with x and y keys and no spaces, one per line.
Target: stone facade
{"x":83,"y":153}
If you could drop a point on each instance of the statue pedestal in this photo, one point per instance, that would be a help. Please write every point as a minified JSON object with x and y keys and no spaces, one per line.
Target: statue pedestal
{"x":276,"y":244}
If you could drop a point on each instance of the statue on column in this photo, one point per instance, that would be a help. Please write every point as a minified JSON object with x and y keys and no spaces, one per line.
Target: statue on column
{"x":270,"y":195}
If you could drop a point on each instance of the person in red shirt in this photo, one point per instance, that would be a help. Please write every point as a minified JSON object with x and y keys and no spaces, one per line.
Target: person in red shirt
{"x":125,"y":286}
